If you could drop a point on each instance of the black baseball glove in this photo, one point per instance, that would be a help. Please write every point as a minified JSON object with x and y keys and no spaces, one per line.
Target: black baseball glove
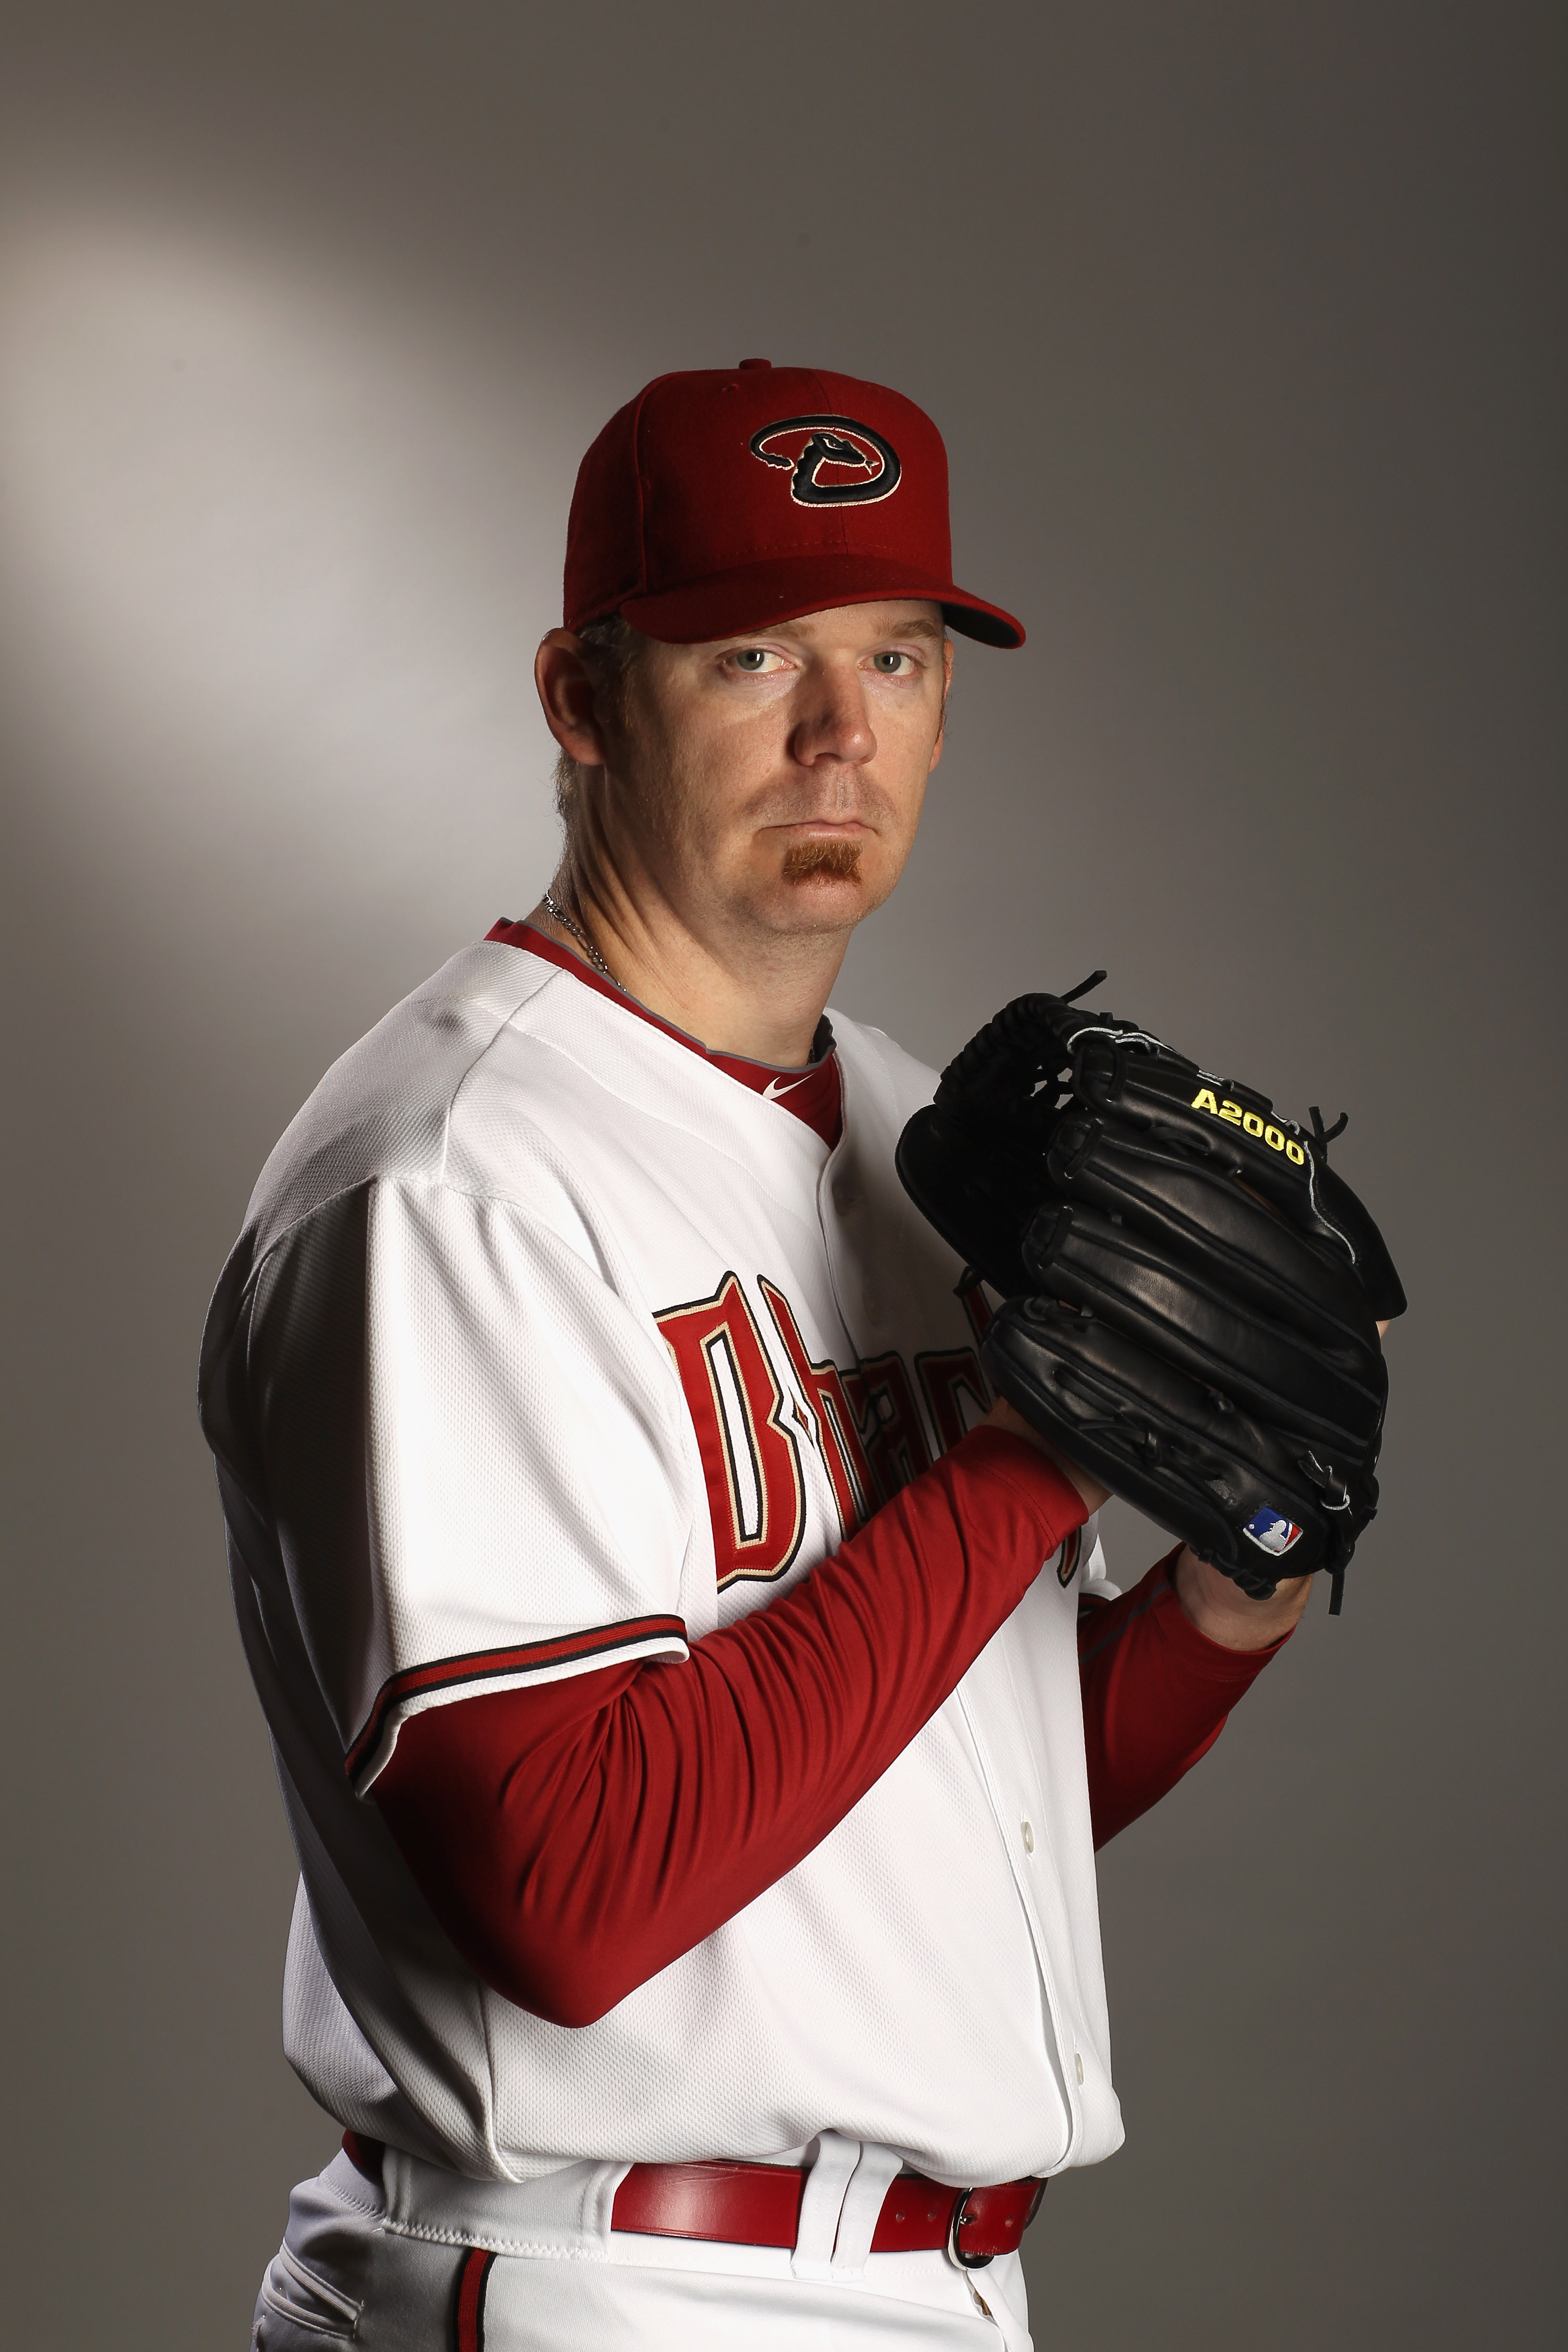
{"x":1192,"y":1294}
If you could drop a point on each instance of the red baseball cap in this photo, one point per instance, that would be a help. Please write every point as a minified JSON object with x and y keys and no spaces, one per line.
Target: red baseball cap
{"x":721,"y":499}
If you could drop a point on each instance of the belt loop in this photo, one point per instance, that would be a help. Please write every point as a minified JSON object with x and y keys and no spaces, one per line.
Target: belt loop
{"x":821,"y":2204}
{"x":874,"y":2175}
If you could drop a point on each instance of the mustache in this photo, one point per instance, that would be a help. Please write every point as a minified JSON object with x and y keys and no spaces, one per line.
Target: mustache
{"x":825,"y":861}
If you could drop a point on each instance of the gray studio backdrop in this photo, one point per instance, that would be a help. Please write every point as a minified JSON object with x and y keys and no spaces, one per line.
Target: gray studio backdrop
{"x":1243,"y":327}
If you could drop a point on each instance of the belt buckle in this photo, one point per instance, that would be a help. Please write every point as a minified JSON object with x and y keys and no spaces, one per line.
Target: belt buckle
{"x":955,"y":2252}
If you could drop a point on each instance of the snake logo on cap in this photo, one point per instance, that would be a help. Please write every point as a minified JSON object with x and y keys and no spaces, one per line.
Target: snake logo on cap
{"x":831,"y":461}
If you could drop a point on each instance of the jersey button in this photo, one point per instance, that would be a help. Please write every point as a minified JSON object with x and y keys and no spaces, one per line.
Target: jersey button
{"x":1028,"y":1837}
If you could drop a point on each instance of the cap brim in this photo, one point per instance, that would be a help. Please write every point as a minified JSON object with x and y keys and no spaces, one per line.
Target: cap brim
{"x":760,"y":595}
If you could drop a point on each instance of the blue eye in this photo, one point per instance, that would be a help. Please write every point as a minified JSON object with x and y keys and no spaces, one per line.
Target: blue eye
{"x":751,"y":658}
{"x":887,"y":663}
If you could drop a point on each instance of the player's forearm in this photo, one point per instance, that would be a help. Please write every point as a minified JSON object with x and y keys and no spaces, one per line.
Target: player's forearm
{"x":575,"y":1839}
{"x":1157,"y":1690}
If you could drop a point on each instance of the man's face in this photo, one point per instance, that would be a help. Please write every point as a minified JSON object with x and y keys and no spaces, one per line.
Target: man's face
{"x":773,"y":782}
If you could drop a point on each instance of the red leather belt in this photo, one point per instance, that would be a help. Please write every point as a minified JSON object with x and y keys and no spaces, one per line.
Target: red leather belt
{"x":759,"y":2205}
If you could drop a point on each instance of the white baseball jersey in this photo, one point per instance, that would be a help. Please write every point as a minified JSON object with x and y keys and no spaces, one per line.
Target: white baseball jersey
{"x":546,"y":1345}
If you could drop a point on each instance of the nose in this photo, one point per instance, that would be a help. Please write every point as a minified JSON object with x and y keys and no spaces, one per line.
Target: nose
{"x":835,"y":721}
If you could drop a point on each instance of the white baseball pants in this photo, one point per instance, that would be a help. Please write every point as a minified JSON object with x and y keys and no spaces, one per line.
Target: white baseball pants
{"x":348,"y":2273}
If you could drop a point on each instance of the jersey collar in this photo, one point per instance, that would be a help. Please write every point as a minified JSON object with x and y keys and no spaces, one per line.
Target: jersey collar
{"x":814,"y":1094}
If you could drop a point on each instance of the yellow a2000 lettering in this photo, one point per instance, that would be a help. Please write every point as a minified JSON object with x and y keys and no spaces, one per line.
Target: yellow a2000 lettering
{"x":1251,"y":1122}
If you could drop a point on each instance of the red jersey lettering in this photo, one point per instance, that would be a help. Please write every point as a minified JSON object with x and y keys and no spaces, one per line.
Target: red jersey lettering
{"x":894,"y":1438}
{"x":755,"y":1496}
{"x":830,"y":1413}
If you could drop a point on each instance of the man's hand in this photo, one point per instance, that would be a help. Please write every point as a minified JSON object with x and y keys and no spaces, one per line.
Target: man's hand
{"x":1218,"y":1608}
{"x":1190,"y":1291}
{"x":1222,"y":1611}
{"x":1210,"y":1600}
{"x":1006,"y":1416}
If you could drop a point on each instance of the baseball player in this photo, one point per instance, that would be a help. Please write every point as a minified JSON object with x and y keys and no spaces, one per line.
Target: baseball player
{"x":670,"y":1645}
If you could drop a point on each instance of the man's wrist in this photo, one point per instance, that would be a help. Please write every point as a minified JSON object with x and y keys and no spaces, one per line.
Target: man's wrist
{"x":1005,"y":1416}
{"x":1227,"y":1615}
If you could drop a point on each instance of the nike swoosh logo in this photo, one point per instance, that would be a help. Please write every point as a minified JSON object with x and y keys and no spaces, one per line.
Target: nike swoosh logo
{"x":772,"y":1090}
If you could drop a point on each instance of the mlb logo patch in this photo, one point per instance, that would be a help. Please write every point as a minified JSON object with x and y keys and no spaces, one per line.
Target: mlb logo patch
{"x":1271,"y":1533}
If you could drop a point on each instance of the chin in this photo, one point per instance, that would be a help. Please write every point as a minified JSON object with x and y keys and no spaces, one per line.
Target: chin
{"x":818,"y":905}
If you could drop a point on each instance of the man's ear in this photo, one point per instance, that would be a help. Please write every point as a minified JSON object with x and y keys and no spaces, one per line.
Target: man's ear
{"x":566,"y":697}
{"x":936,"y":749}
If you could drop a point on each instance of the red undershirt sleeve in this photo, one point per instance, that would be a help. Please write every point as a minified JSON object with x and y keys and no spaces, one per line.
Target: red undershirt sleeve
{"x":567,"y":1835}
{"x":1156,"y":1694}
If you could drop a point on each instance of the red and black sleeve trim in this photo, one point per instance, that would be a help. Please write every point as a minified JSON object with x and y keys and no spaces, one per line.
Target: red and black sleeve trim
{"x":599,"y":1643}
{"x":468,"y":2302}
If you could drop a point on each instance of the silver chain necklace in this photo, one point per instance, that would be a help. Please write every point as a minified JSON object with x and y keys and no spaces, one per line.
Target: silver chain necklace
{"x":553,"y":908}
